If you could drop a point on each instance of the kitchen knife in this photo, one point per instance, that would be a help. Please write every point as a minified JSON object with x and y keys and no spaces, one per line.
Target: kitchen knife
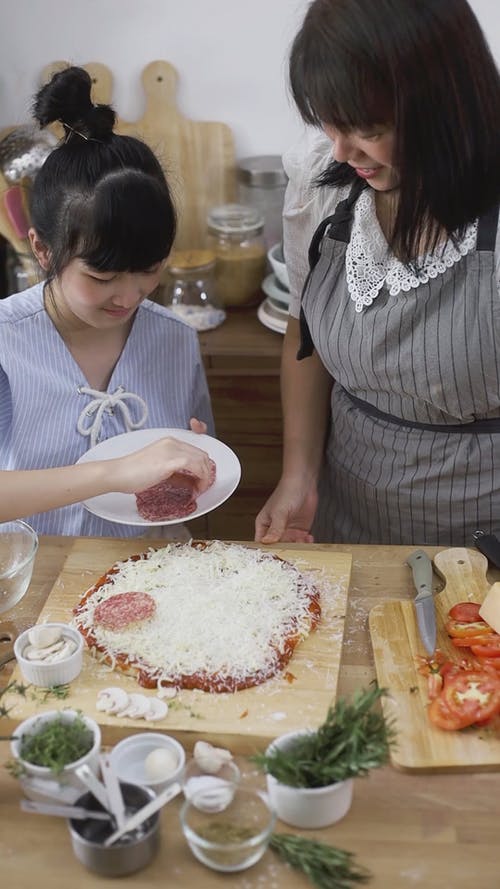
{"x":488,"y":545}
{"x":421,"y":567}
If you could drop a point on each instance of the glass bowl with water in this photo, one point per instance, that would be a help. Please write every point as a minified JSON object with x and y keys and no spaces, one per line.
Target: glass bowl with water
{"x":18,"y":546}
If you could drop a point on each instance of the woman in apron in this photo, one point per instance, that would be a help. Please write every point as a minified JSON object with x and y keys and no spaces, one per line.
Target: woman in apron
{"x":391,"y":360}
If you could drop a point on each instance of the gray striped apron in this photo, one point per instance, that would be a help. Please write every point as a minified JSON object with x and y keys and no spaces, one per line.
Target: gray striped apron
{"x":413,"y":449}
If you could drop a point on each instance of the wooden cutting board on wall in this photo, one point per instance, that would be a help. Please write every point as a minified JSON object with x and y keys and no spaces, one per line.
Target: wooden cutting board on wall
{"x":198,"y":156}
{"x":421,"y":747}
{"x":246,"y":720}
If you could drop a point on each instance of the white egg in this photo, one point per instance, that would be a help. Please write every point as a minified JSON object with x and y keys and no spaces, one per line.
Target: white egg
{"x":160,"y":764}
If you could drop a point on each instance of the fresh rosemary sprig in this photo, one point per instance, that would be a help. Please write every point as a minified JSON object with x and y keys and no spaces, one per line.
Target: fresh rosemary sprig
{"x":325,"y":866}
{"x":353,"y":739}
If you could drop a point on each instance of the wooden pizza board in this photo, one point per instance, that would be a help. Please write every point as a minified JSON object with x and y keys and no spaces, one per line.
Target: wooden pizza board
{"x":396,"y":644}
{"x":244,"y":721}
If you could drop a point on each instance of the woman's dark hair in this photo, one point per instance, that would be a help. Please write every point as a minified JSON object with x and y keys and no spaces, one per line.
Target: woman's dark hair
{"x":423,"y":67}
{"x":99,"y":196}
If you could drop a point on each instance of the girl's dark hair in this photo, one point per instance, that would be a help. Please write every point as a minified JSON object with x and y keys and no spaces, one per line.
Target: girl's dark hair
{"x":99,"y":196}
{"x":423,"y":67}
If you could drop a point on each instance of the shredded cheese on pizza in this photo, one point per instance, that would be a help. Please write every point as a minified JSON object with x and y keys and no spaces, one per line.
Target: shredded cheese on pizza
{"x":226,"y":616}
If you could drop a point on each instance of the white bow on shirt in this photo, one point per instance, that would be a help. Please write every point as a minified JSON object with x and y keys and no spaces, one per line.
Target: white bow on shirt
{"x":105,"y":401}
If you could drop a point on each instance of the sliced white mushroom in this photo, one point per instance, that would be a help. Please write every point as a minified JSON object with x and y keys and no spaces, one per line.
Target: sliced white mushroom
{"x":157,"y":710}
{"x":111,"y":700}
{"x":41,"y":654}
{"x":67,"y":649}
{"x":137,"y":707}
{"x":209,"y":758}
{"x":41,"y":636}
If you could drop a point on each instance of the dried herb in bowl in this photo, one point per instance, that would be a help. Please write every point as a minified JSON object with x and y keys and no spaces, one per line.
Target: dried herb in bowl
{"x":58,"y":743}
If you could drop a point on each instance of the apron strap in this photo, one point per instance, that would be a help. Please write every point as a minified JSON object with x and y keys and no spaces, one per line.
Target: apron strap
{"x":339,"y":224}
{"x":487,"y":230}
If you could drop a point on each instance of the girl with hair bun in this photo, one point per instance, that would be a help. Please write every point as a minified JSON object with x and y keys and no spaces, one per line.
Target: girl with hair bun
{"x":84,"y":355}
{"x":391,"y":359}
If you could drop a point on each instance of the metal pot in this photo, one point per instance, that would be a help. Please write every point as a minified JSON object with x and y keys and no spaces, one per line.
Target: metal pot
{"x":132,"y":852}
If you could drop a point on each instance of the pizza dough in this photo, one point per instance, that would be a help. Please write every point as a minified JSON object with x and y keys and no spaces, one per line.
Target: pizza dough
{"x":227,"y":617}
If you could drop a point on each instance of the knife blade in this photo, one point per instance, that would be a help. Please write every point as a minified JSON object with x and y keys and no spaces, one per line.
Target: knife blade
{"x":488,"y":545}
{"x":421,"y":567}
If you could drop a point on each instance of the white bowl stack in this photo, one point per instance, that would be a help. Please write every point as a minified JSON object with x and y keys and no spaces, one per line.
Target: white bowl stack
{"x":273,"y":312}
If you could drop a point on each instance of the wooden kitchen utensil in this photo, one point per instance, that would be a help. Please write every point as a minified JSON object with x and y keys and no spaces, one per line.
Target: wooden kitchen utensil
{"x":244,"y":721}
{"x":396,"y":645}
{"x":198,"y":156}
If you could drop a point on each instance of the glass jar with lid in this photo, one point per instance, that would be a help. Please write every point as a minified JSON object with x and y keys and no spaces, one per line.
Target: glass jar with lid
{"x":190,"y":288}
{"x":235,"y":234}
{"x":261,"y":184}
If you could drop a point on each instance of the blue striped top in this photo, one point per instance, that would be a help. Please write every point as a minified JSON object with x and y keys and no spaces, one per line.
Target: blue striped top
{"x":41,"y":401}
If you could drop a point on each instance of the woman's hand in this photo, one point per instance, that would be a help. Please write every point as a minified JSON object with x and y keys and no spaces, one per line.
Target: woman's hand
{"x":157,"y":462}
{"x":197,"y":426}
{"x":287,"y":515}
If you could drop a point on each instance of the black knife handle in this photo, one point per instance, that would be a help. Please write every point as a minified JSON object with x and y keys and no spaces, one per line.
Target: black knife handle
{"x":488,"y":545}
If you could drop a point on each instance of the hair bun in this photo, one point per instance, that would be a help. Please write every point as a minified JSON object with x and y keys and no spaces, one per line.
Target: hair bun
{"x":66,"y":97}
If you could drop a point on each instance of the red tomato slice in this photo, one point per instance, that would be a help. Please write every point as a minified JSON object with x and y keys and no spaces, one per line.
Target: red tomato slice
{"x":489,"y":663}
{"x":461,"y":629}
{"x":489,"y":648}
{"x":465,"y":612}
{"x":472,"y":695}
{"x":441,"y":716}
{"x":468,"y":641}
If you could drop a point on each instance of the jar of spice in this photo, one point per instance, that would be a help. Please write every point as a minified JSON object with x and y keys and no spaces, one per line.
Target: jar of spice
{"x":190,"y":288}
{"x":261,"y":184}
{"x":236,"y":237}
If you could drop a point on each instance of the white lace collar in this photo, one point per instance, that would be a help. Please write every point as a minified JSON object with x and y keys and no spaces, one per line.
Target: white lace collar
{"x":369,"y":266}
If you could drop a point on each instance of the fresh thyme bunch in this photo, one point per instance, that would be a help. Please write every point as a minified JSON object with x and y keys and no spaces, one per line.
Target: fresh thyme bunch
{"x":325,"y":866}
{"x":353,"y":739}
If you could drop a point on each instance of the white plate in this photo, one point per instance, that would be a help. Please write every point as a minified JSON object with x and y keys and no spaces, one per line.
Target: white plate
{"x":272,"y":321}
{"x":121,"y":508}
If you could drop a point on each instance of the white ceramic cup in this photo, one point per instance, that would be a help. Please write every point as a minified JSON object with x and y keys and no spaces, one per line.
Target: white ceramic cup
{"x":307,"y":807}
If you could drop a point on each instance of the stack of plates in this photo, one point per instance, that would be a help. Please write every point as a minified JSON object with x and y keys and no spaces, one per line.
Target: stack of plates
{"x":273,"y":312}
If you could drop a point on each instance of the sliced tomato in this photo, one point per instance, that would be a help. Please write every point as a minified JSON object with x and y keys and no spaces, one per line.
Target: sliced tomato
{"x":489,"y":663}
{"x":441,"y":716}
{"x":463,"y":629}
{"x":489,"y":647}
{"x":468,"y":641}
{"x":465,"y":612}
{"x":472,"y":695}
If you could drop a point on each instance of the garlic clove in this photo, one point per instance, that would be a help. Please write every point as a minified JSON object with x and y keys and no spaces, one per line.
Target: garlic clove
{"x":209,"y":758}
{"x":41,"y":636}
{"x":169,"y":692}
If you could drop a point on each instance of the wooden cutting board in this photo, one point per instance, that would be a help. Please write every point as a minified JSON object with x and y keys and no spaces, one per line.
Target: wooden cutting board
{"x":198,"y":156}
{"x":396,"y":644}
{"x":243,"y":721}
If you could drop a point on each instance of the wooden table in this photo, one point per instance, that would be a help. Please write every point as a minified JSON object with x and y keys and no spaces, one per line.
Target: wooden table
{"x":410,"y":831}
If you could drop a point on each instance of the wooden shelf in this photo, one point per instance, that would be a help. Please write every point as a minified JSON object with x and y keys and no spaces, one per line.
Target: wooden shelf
{"x":242,"y":362}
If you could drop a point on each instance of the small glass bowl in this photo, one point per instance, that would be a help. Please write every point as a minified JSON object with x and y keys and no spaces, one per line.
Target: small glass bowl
{"x":232,"y":838}
{"x":18,"y":547}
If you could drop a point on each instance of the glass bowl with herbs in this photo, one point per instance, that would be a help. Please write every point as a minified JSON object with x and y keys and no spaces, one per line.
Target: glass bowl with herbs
{"x":49,"y":747}
{"x":229,"y":838}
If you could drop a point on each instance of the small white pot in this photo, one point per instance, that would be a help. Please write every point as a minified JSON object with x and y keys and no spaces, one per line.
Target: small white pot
{"x":39,"y":782}
{"x":307,"y":807}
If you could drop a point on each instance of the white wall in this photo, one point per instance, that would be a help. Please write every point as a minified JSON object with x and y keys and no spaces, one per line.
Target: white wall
{"x":230,"y":55}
